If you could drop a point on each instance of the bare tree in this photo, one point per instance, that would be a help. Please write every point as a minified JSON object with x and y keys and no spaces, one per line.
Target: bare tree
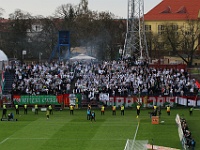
{"x":83,"y":7}
{"x":182,"y":41}
{"x":1,"y":11}
{"x":66,"y":11}
{"x":20,"y":22}
{"x":190,"y":41}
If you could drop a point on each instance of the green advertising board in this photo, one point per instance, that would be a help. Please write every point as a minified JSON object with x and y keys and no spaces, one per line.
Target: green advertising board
{"x":39,"y":99}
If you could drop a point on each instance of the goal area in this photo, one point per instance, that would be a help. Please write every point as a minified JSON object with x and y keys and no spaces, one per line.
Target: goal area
{"x":135,"y":145}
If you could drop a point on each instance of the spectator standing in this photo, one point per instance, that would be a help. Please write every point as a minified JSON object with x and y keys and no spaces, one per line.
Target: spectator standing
{"x":193,"y":143}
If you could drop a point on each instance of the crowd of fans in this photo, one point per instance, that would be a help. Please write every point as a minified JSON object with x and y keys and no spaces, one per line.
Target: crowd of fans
{"x":118,"y":78}
{"x":190,"y":142}
{"x":35,"y":79}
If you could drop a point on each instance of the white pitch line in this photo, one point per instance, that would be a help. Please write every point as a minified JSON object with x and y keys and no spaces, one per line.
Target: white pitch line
{"x":136,"y":131}
{"x":4,"y":141}
{"x":64,"y":138}
{"x":29,"y":138}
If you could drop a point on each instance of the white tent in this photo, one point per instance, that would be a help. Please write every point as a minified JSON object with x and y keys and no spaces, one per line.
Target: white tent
{"x":3,"y":56}
{"x":82,"y":57}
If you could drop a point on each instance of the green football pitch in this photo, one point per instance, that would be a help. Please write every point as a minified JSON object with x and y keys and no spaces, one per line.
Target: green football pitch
{"x":63,"y":131}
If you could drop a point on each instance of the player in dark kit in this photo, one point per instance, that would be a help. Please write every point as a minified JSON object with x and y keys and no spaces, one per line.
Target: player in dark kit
{"x":93,"y":116}
{"x":88,"y":113}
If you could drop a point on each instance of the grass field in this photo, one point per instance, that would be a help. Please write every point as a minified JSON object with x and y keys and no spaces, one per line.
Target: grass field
{"x":74,"y":132}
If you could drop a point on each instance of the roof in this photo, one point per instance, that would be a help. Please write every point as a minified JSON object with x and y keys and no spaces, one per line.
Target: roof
{"x":2,"y":20}
{"x":3,"y":56}
{"x":174,"y":10}
{"x":82,"y":57}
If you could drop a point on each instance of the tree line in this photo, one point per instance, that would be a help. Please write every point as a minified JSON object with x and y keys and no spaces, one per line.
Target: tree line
{"x":99,"y":32}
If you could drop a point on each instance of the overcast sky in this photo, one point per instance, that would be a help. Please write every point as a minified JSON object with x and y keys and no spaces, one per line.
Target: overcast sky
{"x":48,"y":7}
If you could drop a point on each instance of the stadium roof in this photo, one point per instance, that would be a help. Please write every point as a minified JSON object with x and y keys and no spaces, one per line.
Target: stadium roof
{"x":174,"y":10}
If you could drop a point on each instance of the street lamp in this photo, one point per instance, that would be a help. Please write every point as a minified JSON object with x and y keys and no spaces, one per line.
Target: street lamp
{"x":120,"y":52}
{"x":40,"y":55}
{"x":23,"y":53}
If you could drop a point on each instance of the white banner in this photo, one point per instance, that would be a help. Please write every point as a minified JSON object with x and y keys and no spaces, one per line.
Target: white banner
{"x":104,"y":96}
{"x":191,"y":102}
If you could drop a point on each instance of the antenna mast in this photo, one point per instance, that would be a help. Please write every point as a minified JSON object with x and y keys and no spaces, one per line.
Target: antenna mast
{"x":135,"y":43}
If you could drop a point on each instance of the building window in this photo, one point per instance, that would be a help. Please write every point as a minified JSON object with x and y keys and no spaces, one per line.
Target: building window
{"x":160,"y":32}
{"x":187,"y":33}
{"x":161,"y":27}
{"x":175,"y":27}
{"x":147,"y":27}
{"x":186,"y":45}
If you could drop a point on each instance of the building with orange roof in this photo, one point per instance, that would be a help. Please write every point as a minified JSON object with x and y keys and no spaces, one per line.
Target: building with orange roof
{"x":174,"y":12}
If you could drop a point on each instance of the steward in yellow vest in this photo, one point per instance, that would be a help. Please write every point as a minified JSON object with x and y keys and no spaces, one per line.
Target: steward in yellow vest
{"x":4,"y":111}
{"x":36,"y":109}
{"x":191,"y":110}
{"x":122,"y":110}
{"x":102,"y":110}
{"x":71,"y":108}
{"x":113,"y":110}
{"x":138,"y":110}
{"x":168,"y":110}
{"x":155,"y":110}
{"x":17,"y":109}
{"x":25,"y":109}
{"x":50,"y":110}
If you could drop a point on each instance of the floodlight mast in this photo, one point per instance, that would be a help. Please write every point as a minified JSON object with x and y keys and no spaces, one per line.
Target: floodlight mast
{"x":135,"y":43}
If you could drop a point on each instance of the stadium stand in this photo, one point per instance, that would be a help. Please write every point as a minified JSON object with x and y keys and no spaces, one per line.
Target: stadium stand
{"x":117,"y":78}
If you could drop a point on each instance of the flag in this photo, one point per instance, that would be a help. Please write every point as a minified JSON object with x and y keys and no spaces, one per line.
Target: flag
{"x":197,"y":84}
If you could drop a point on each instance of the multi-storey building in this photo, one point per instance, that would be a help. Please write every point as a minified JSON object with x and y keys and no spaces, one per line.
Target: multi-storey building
{"x":179,"y":14}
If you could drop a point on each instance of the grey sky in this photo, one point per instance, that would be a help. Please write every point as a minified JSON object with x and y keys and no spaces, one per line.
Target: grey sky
{"x":47,"y":7}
